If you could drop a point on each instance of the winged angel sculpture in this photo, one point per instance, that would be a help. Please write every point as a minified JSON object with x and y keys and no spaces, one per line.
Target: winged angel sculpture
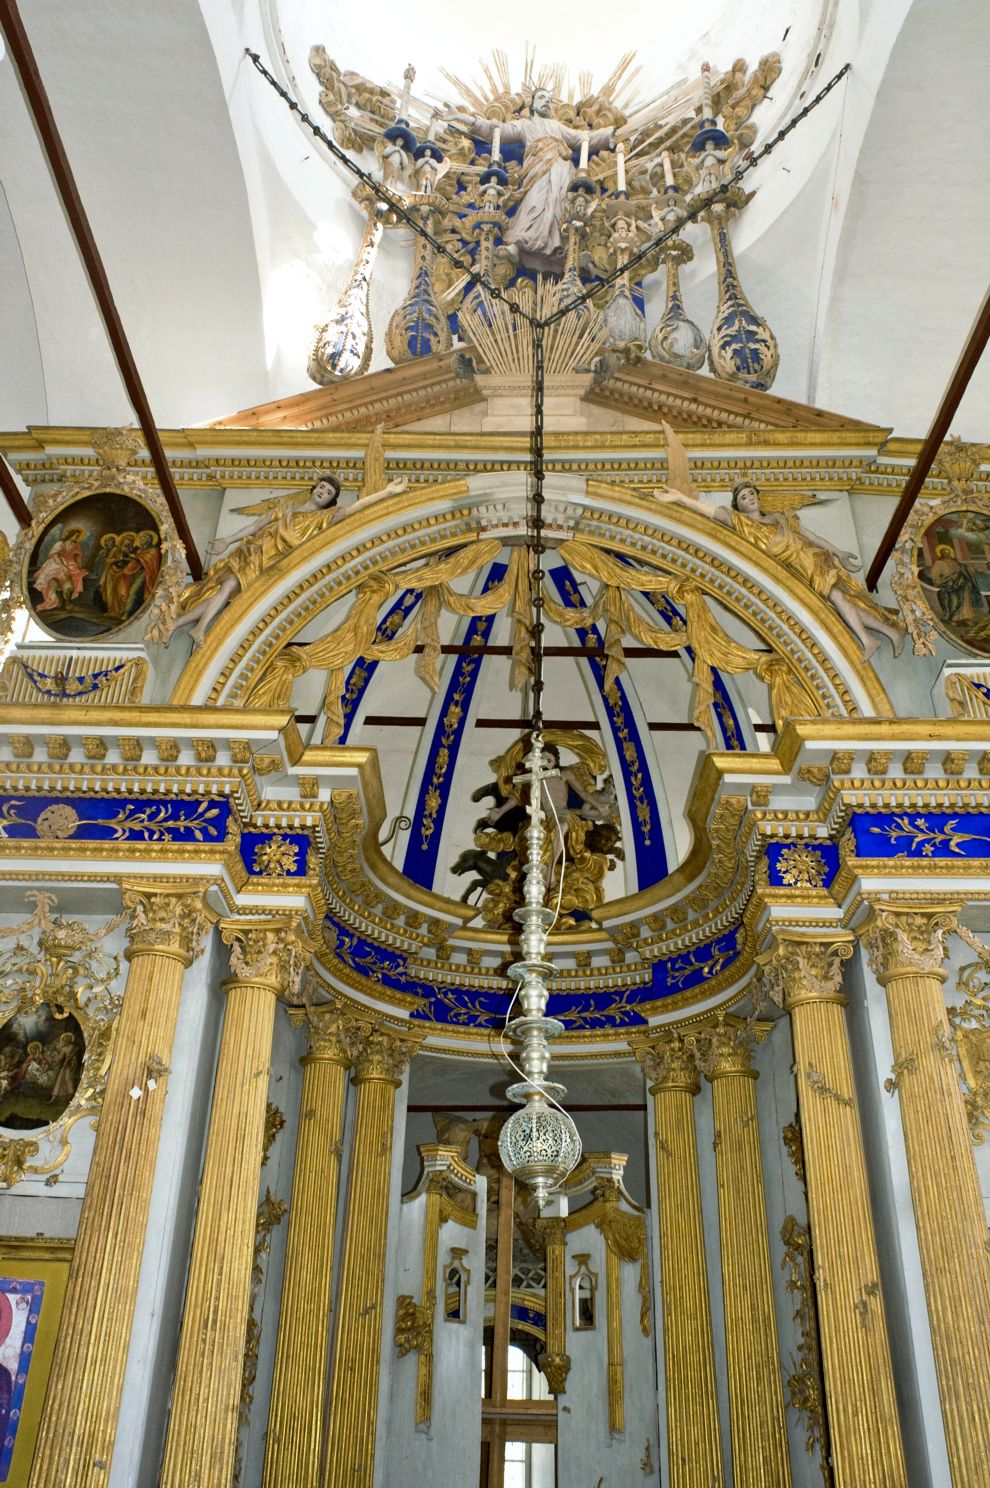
{"x":770,"y":523}
{"x":281,"y":524}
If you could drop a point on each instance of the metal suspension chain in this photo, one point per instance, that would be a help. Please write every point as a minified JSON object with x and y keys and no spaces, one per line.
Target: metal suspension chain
{"x":535,"y":534}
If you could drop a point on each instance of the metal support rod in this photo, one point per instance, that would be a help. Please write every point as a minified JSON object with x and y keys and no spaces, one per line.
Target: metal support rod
{"x":951,"y":398}
{"x":12,"y":495}
{"x":51,"y":142}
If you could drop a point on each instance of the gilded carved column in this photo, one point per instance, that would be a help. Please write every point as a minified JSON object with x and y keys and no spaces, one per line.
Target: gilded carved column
{"x":555,"y":1361}
{"x":380,"y":1062}
{"x":295,"y":1420}
{"x":905,"y":947}
{"x":804,"y":975}
{"x":756,"y":1396}
{"x":689,"y":1358}
{"x":202,"y":1430}
{"x":78,"y":1427}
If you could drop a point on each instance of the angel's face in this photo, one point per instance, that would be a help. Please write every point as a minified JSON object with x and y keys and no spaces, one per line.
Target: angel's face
{"x":324,"y":494}
{"x":747,"y":500}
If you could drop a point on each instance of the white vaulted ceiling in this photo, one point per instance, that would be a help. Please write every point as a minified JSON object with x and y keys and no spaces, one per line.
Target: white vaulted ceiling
{"x":226,"y":232}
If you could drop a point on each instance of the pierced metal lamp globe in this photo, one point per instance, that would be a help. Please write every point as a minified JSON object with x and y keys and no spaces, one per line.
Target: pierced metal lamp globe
{"x":539,"y":1145}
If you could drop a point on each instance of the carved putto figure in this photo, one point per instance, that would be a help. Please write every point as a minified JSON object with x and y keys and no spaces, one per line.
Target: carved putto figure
{"x":826,"y":569}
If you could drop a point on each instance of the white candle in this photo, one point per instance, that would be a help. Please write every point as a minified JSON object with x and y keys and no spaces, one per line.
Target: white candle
{"x":620,"y":166}
{"x":431,"y":133}
{"x":706,"y":91}
{"x":496,"y":145}
{"x":408,"y":77}
{"x":583,"y":162}
{"x":668,"y":169}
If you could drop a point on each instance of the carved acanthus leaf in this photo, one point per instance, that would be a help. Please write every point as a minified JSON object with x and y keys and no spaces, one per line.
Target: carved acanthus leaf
{"x":166,"y":920}
{"x":900,"y":941}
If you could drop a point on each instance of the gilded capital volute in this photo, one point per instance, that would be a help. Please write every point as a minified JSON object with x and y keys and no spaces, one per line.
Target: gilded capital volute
{"x":723,"y":1049}
{"x":908,"y":939}
{"x":381,"y":1054}
{"x":333,"y":1035}
{"x":669,"y":1063}
{"x":165,"y":921}
{"x":798,"y":969}
{"x":265,"y":953}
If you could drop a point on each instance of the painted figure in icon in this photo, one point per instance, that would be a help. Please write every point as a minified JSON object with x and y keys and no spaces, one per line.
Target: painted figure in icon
{"x":60,"y":577}
{"x":959,"y":596}
{"x":131,"y":565}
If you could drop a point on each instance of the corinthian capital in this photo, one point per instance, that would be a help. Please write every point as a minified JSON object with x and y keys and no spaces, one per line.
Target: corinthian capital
{"x":724,"y":1048}
{"x":797,"y":969}
{"x":908,"y":939}
{"x":380,"y":1053}
{"x":266,"y":953}
{"x":166,"y":920}
{"x":668,"y":1063}
{"x":333,"y":1035}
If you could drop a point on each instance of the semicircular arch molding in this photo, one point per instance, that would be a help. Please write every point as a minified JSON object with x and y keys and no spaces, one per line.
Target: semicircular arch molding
{"x":402,"y":531}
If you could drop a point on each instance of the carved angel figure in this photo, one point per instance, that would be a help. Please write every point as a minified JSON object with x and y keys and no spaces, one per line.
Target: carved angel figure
{"x":281,"y":524}
{"x":819,"y":563}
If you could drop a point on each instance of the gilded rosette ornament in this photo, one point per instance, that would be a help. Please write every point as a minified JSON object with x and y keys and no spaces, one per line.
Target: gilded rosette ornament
{"x":343,"y":345}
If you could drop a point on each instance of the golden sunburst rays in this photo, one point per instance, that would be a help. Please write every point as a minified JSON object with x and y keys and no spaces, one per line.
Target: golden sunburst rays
{"x":505,"y":342}
{"x":493,"y":91}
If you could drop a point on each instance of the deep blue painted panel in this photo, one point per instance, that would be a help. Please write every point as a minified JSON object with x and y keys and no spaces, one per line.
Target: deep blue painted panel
{"x":789,"y":871}
{"x":105,"y":819}
{"x":924,"y":834}
{"x":275,"y":854}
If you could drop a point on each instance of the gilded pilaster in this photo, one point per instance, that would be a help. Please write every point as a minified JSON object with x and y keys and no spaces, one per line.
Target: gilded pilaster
{"x":555,"y":1360}
{"x":202,"y":1430}
{"x":380,"y":1061}
{"x":295,"y":1421}
{"x":905,"y":946}
{"x":689,"y":1358}
{"x":756,"y":1396}
{"x":804,"y":975}
{"x":80,"y":1420}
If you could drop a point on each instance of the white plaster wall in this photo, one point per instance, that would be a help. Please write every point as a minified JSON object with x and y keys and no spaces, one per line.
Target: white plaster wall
{"x":585,"y":1447}
{"x":440,"y":1453}
{"x":161,"y":1287}
{"x":893,"y":1217}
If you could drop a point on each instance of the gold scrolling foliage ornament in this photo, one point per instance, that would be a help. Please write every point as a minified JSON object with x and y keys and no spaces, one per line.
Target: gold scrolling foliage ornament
{"x":970,"y":1025}
{"x":58,"y":1014}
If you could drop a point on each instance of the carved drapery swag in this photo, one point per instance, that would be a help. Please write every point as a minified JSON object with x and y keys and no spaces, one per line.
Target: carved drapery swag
{"x":789,"y":698}
{"x":357,"y":635}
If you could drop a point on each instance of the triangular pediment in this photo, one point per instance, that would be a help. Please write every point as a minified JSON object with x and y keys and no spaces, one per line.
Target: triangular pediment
{"x":445,"y":393}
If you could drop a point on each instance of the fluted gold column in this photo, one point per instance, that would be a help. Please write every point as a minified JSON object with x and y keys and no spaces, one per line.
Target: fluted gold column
{"x":350,"y":1454}
{"x":804,"y":975}
{"x":202,"y":1428}
{"x":80,"y":1419}
{"x":295,"y":1420}
{"x":756,"y":1395}
{"x":689,"y":1358}
{"x":904,"y":944}
{"x":555,"y":1361}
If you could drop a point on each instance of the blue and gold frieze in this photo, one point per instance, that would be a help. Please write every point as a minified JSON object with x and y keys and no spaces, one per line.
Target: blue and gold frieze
{"x":89,"y":818}
{"x":920,"y":835}
{"x":473,"y":1008}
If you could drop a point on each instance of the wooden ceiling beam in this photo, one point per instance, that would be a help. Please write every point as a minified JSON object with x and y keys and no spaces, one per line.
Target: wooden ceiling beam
{"x":951,"y":398}
{"x":40,"y":108}
{"x":12,"y":494}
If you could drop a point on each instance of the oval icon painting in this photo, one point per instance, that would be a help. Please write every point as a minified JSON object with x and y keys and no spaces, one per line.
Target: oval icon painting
{"x":953,"y":567}
{"x":94,"y":567}
{"x":41,"y":1059}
